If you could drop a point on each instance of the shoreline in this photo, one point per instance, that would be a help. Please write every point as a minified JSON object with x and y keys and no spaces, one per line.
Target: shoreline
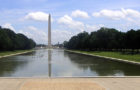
{"x":110,"y":58}
{"x":16,"y":53}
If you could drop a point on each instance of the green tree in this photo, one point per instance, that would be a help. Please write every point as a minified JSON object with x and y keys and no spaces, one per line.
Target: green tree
{"x":9,"y":40}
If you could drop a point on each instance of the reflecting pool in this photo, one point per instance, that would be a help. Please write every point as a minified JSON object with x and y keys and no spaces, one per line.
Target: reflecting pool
{"x":60,"y":63}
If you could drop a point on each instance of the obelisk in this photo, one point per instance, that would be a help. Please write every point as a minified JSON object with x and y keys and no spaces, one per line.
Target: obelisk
{"x":49,"y":31}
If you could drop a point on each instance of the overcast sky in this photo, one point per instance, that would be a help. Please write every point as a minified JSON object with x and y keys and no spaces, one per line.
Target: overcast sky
{"x":69,"y":17}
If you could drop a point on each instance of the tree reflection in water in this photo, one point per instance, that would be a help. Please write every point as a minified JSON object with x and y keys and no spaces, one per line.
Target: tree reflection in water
{"x":9,"y":65}
{"x":103,"y":67}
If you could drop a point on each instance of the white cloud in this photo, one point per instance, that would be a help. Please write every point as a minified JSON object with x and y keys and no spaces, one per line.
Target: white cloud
{"x":67,"y":20}
{"x":36,"y":34}
{"x":77,"y":26}
{"x":131,"y":13}
{"x":58,"y":35}
{"x":127,"y":14}
{"x":8,"y":25}
{"x":116,"y":15}
{"x":91,"y":28}
{"x":61,"y":35}
{"x":37,"y":16}
{"x":65,"y":35}
{"x":41,"y":37}
{"x":79,"y":13}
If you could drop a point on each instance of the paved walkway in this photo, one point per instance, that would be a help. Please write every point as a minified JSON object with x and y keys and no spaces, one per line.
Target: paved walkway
{"x":70,"y":84}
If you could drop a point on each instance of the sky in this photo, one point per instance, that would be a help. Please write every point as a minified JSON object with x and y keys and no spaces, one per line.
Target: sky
{"x":69,"y":17}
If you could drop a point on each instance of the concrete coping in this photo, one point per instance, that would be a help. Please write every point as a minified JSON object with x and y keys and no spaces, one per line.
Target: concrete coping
{"x":16,"y":54}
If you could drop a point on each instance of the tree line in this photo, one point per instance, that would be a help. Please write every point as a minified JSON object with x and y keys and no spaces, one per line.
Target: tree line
{"x":9,"y":40}
{"x":106,"y":39}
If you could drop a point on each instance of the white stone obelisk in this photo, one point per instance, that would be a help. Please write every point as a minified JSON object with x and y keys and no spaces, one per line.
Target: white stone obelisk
{"x":49,"y":31}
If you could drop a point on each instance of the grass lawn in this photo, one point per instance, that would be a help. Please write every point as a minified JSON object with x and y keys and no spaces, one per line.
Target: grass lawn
{"x":118,"y":55}
{"x":3,"y":53}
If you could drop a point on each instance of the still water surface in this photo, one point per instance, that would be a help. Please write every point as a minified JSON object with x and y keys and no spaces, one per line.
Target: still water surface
{"x":59,"y":63}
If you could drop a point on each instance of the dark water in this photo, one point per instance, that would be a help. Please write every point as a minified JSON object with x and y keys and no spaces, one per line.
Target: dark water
{"x":59,"y":63}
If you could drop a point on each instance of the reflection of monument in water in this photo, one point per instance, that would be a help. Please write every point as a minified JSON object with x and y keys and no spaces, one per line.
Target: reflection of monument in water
{"x":49,"y":46}
{"x":49,"y":62}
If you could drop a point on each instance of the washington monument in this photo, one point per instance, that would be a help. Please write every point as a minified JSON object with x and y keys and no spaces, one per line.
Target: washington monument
{"x":49,"y":32}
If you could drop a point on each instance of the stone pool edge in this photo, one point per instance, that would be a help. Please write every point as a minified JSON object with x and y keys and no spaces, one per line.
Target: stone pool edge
{"x":16,"y":54}
{"x":110,"y":58}
{"x":67,"y":77}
